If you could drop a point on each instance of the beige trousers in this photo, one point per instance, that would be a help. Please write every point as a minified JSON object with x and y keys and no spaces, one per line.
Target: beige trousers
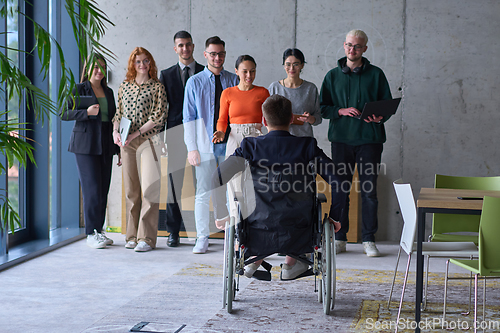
{"x":141,"y":179}
{"x":238,"y":133}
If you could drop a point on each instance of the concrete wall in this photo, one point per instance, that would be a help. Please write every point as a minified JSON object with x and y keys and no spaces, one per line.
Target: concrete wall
{"x":440,"y":56}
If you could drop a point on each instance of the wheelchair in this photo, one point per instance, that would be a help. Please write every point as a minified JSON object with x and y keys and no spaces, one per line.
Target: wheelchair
{"x":272,"y":218}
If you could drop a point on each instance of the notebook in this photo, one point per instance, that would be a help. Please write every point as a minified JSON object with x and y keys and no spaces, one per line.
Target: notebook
{"x":296,"y":120}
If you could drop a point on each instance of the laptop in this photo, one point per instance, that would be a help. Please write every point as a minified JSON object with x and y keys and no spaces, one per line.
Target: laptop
{"x":386,"y":107}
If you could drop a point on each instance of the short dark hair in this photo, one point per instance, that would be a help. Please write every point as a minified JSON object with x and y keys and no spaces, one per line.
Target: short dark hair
{"x":277,"y":111}
{"x":242,"y":58}
{"x":182,"y":34}
{"x":296,"y":53}
{"x":214,"y":40}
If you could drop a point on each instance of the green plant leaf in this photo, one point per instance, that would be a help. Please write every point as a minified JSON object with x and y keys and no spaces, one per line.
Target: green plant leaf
{"x":10,"y":218}
{"x":89,"y":25}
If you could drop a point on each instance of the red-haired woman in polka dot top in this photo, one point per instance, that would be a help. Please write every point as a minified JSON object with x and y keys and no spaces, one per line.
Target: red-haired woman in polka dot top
{"x":141,"y":99}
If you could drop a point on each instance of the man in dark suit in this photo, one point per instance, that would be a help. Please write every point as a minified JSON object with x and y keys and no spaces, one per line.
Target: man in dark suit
{"x":174,"y":79}
{"x":275,"y":157}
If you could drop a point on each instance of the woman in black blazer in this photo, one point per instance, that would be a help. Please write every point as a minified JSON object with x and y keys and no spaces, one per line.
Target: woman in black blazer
{"x":92,"y":143}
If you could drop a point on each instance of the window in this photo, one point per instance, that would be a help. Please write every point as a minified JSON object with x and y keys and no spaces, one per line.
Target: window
{"x":49,"y":210}
{"x":15,"y":176}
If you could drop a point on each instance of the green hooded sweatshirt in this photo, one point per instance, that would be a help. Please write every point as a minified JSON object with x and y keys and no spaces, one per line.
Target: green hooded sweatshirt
{"x":341,"y":90}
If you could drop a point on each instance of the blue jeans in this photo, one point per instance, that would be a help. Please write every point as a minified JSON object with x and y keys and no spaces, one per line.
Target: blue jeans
{"x":209,"y":163}
{"x":367,"y":157}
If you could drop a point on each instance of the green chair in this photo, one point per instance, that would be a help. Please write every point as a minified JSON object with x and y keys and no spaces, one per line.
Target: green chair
{"x":429,"y":249}
{"x":460,"y":228}
{"x":488,"y":264}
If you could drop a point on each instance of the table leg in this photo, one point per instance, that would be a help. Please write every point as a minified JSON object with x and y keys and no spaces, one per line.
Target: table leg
{"x":420,"y":266}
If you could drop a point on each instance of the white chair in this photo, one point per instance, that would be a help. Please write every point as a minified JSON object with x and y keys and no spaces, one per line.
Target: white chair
{"x":429,"y":249}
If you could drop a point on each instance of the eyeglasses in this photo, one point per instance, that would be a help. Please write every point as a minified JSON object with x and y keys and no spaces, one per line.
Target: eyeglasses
{"x":356,"y":47}
{"x":294,"y":65}
{"x":215,"y":54}
{"x":144,"y":62}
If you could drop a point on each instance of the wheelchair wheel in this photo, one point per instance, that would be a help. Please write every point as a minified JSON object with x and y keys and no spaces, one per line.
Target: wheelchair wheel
{"x":320,"y":292}
{"x":224,"y":267}
{"x":230,"y":281}
{"x":334,"y":271}
{"x":326,"y":266}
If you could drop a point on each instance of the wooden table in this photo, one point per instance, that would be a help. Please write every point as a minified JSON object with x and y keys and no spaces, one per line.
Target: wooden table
{"x":441,"y":200}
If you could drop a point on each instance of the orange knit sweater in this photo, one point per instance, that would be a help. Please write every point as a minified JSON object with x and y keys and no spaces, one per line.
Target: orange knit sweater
{"x":241,"y":107}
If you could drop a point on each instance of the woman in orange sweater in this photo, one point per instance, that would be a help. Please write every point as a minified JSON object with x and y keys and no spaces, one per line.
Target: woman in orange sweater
{"x":241,"y":107}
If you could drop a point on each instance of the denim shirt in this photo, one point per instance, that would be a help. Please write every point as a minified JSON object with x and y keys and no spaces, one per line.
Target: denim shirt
{"x":199,"y":108}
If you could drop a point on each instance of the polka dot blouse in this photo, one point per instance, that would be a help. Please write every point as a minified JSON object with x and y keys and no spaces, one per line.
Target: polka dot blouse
{"x":140,"y":103}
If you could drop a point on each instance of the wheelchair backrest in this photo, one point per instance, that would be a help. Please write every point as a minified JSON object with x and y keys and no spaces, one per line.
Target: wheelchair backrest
{"x":284,"y":209}
{"x":286,"y":191}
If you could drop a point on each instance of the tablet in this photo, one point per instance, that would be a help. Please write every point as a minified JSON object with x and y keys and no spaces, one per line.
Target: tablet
{"x":384,"y":108}
{"x":124,"y":129}
{"x":83,"y":103}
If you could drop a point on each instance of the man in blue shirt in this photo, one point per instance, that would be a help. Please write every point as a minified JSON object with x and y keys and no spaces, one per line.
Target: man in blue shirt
{"x":200,"y":114}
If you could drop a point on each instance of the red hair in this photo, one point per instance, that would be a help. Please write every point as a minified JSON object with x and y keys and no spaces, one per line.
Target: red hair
{"x":132,"y":73}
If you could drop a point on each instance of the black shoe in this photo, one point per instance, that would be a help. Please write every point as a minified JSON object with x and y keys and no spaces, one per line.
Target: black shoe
{"x":173,"y":240}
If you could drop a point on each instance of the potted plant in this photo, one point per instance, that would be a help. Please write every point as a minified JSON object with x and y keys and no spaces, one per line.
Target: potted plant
{"x":89,"y":25}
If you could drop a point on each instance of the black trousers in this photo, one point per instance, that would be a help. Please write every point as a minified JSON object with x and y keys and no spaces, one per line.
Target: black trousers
{"x":368,"y":158}
{"x":94,"y":172}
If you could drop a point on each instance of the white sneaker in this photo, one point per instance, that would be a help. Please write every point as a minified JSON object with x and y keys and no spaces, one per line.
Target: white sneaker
{"x":370,"y":249}
{"x":131,"y":245}
{"x":201,"y":245}
{"x":291,"y":272}
{"x":95,"y":241}
{"x":142,"y":246}
{"x":340,"y":246}
{"x":250,"y":269}
{"x":107,"y":240}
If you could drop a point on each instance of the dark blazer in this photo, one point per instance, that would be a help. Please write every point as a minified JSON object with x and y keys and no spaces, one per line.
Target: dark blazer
{"x":171,"y":79}
{"x":281,"y":194}
{"x":91,"y":136}
{"x":277,"y":150}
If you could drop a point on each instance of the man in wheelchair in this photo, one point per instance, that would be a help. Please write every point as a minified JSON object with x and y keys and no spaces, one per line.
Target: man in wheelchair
{"x":280,"y":199}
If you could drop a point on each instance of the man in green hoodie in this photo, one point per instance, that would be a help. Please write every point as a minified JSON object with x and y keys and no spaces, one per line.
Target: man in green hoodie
{"x":344,"y":92}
